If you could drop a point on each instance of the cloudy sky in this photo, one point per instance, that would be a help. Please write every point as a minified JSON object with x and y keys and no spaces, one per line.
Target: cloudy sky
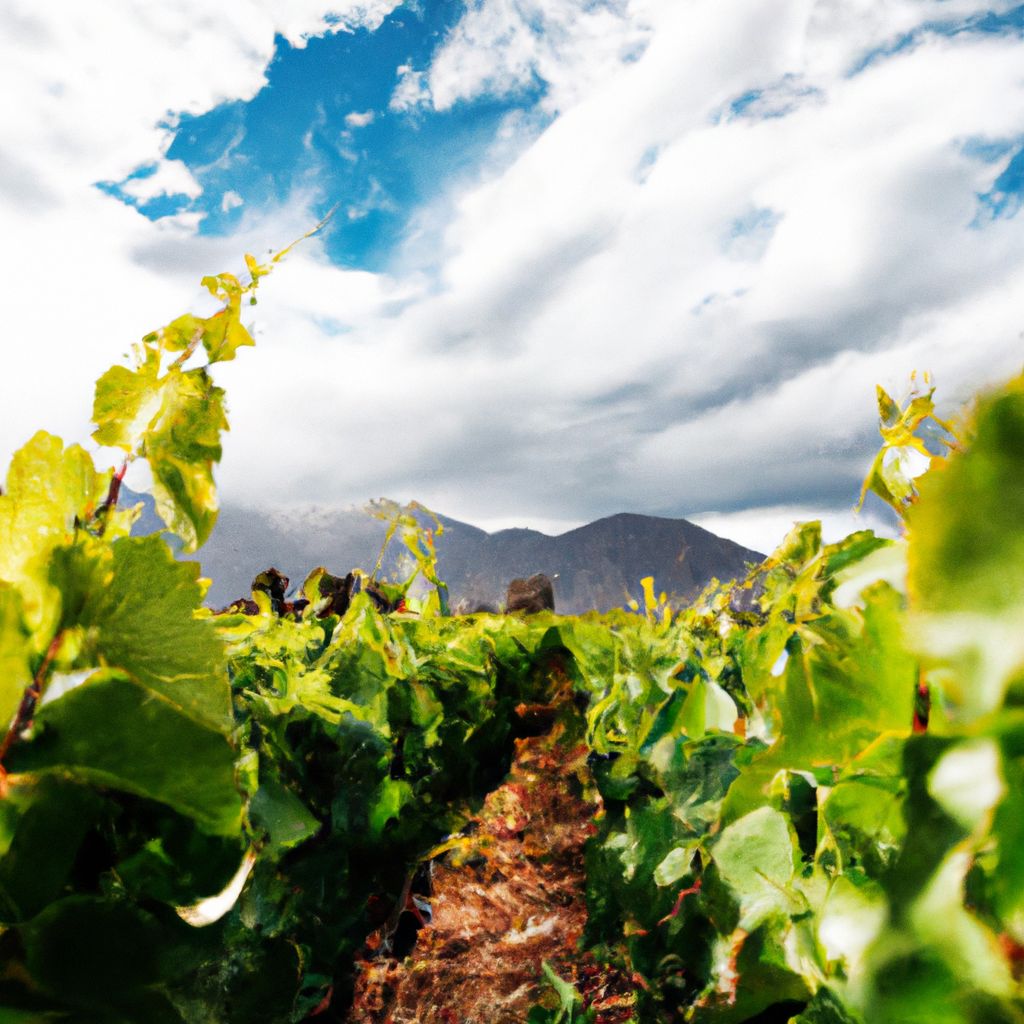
{"x":589,"y":256}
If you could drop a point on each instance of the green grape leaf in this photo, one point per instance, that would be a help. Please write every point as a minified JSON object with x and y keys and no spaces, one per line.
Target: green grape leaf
{"x":849,"y":678}
{"x":167,"y":857}
{"x":851,"y":916}
{"x":391,"y":797}
{"x":888,"y":410}
{"x":181,"y":333}
{"x":283,"y":816}
{"x":114,"y":732}
{"x":16,"y":652}
{"x":89,"y":951}
{"x":932,"y":831}
{"x":52,"y":816}
{"x":799,"y":547}
{"x":134,"y":605}
{"x":126,"y":402}
{"x":941,"y":921}
{"x":856,"y":547}
{"x":676,"y":863}
{"x":49,"y":490}
{"x":182,"y":443}
{"x":756,"y":858}
{"x":223,"y":333}
{"x":890,"y":476}
{"x":966,"y":559}
{"x":176,"y":422}
{"x":914,"y":986}
{"x":570,"y":1003}
{"x":861,"y":818}
{"x":1008,"y":830}
{"x":767,"y":979}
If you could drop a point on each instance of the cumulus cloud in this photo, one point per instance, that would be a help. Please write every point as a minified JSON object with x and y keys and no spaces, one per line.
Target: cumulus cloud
{"x":300,"y":20}
{"x":502,"y":47}
{"x":94,"y":93}
{"x":677,"y":298}
{"x":166,"y":178}
{"x":359,"y":119}
{"x":411,"y":89}
{"x":761,"y":529}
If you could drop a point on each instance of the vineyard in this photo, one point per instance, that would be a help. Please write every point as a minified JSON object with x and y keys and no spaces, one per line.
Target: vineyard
{"x":800,"y":798}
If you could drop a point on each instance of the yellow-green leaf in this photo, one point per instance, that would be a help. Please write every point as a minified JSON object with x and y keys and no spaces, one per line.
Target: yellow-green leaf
{"x":15,"y":654}
{"x":49,"y":489}
{"x":182,"y":444}
{"x":135,"y":607}
{"x":125,"y":403}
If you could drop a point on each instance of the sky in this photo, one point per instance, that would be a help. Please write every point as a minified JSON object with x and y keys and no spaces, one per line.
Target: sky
{"x":588,"y":256}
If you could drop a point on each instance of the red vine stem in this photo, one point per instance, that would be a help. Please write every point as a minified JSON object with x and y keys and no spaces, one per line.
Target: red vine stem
{"x":113,"y":493}
{"x":186,"y":352}
{"x":30,"y":698}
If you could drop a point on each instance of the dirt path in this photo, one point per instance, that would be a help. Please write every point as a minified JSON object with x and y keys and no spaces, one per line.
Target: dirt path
{"x":508,"y":895}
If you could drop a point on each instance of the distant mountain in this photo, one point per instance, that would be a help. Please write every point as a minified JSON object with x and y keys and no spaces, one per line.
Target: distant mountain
{"x":596,"y":566}
{"x":593,"y":567}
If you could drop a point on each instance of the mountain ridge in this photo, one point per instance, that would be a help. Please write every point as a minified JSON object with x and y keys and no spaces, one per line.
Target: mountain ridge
{"x":596,"y":566}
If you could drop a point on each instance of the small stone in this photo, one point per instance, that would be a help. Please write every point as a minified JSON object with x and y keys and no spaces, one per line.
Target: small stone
{"x":535,"y":594}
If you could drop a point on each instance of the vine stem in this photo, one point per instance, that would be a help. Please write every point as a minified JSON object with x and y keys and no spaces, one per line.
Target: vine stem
{"x":114,"y":491}
{"x":189,"y":349}
{"x":30,"y":698}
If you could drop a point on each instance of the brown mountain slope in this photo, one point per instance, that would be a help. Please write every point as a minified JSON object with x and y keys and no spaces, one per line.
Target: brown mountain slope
{"x":594,"y":567}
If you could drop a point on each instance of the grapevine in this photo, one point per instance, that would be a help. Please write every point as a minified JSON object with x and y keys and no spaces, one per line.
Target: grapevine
{"x":806,"y":785}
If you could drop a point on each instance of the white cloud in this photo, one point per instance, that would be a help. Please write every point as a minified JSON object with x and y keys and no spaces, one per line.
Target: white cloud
{"x":502,"y":47}
{"x":301,"y":20}
{"x":168,"y":178}
{"x":93,"y":84}
{"x":411,"y":89}
{"x":601,"y":326}
{"x":231,"y":200}
{"x":763,"y":529}
{"x":359,"y":119}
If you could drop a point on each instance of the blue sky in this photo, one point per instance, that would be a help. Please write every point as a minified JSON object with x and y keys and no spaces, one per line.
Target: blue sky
{"x":323,"y":122}
{"x":589,"y":256}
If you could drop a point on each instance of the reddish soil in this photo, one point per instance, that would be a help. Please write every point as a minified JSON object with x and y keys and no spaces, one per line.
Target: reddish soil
{"x":505,"y":896}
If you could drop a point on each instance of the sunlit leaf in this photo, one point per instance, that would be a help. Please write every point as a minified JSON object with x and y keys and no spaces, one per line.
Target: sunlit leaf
{"x":755,"y":857}
{"x":182,"y":444}
{"x":135,"y":605}
{"x":114,"y":732}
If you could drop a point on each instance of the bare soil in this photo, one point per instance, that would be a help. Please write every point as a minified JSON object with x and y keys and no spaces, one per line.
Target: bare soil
{"x":496,"y":902}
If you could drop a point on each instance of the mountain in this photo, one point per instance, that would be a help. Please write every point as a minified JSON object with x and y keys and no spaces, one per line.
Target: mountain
{"x":596,"y":566}
{"x":593,"y":567}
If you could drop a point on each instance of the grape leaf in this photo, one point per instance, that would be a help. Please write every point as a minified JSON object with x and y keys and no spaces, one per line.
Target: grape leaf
{"x":755,"y":856}
{"x":134,"y":605}
{"x":175,"y":420}
{"x":223,"y":333}
{"x":966,"y":559}
{"x":126,"y":402}
{"x":114,"y":732}
{"x":182,"y":443}
{"x":15,"y":654}
{"x":283,"y":816}
{"x":49,"y":489}
{"x":52,"y":817}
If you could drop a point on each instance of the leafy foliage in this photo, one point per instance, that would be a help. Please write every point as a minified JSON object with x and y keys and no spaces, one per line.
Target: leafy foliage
{"x":810,"y":780}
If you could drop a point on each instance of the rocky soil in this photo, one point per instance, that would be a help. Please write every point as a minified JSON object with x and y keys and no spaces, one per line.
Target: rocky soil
{"x":493,"y":904}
